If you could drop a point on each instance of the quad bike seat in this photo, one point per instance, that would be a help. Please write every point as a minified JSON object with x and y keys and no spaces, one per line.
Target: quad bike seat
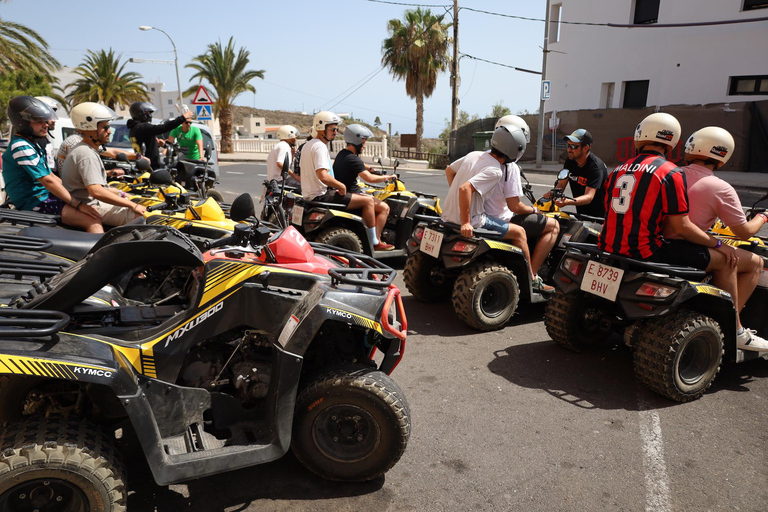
{"x":688,"y":273}
{"x":332,"y":206}
{"x":70,"y":244}
{"x":478,"y":232}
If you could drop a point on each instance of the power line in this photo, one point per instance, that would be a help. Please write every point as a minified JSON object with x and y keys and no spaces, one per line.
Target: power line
{"x":375,"y":71}
{"x":404,"y":4}
{"x":500,"y":64}
{"x":356,"y":89}
{"x":531,"y":19}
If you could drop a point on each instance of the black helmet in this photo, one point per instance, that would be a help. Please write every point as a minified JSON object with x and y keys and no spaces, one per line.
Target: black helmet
{"x":23,"y":109}
{"x":142,"y":111}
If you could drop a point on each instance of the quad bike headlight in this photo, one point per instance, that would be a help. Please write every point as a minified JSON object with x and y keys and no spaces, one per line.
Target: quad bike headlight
{"x":655,"y":290}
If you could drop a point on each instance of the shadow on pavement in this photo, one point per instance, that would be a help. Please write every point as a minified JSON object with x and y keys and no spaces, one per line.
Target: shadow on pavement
{"x":735,"y":377}
{"x":284,"y":479}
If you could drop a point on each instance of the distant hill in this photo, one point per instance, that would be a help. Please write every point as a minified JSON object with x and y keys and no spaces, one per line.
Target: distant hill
{"x":280,"y":117}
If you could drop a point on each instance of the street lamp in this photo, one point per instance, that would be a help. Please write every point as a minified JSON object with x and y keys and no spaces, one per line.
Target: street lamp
{"x":175,"y":59}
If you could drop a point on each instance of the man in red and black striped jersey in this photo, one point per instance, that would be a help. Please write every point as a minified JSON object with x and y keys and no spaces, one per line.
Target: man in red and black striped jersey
{"x":648,"y":193}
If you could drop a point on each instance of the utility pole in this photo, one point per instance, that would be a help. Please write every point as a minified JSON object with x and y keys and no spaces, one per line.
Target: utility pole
{"x":454,"y":79}
{"x":540,"y":138}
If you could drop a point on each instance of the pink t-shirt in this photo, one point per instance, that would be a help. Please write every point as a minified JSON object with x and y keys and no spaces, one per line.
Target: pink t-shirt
{"x":709,"y":197}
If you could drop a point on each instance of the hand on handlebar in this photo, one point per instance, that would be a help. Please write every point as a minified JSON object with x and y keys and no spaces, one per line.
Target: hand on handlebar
{"x":139,"y":209}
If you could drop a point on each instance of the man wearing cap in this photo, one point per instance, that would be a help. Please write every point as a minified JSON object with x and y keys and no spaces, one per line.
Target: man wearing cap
{"x":587,"y":175}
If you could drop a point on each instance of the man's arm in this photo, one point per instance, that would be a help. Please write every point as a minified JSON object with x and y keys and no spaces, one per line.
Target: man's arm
{"x":450,"y":174}
{"x":375,"y":178}
{"x":683,"y":226}
{"x":465,"y":200}
{"x":53,"y":184}
{"x":105,"y":195}
{"x":324,"y":176}
{"x":748,"y":229}
{"x":518,"y":207}
{"x":589,"y":195}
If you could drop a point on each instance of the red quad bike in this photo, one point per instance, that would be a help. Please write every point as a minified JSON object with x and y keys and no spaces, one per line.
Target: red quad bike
{"x":217,"y":361}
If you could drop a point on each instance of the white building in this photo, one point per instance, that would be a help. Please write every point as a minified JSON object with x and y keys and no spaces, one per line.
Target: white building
{"x":595,"y":67}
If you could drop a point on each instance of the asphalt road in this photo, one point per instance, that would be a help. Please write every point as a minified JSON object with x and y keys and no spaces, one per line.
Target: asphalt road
{"x":507,"y":420}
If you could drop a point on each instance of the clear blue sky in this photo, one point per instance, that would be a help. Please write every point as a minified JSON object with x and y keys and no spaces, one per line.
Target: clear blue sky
{"x":313,"y":53}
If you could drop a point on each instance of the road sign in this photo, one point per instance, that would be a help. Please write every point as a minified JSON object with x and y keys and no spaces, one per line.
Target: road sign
{"x":204,"y":112}
{"x":545,"y":88}
{"x":202,"y":97}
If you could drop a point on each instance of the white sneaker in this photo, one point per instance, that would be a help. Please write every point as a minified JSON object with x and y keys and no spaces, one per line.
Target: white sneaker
{"x":749,"y":340}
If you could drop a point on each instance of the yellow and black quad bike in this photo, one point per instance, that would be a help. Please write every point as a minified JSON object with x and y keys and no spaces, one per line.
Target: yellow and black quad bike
{"x":574,"y":227}
{"x":754,"y":312}
{"x":679,"y":328}
{"x":213,"y":361}
{"x":484,"y":276}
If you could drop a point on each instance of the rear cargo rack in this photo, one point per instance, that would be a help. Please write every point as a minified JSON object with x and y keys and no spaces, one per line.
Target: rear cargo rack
{"x":31,"y":323}
{"x":23,"y":243}
{"x":26,"y":218}
{"x":478,"y":232}
{"x":18,"y":267}
{"x":363,"y":270}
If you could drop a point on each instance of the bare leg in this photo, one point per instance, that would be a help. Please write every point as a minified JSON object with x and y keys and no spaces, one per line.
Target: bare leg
{"x":382,"y":212}
{"x":77,"y":219}
{"x":359,"y":201}
{"x":544,"y":244}
{"x":748,"y":272}
{"x":724,"y":277}
{"x":516,"y":235}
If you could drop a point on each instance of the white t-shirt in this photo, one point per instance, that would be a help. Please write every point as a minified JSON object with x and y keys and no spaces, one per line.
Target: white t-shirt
{"x":496,"y":204}
{"x":484,"y":173}
{"x":277,"y":155}
{"x":314,"y":156}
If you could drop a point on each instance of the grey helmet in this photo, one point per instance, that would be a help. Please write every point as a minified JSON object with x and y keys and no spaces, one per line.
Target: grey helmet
{"x":23,"y":109}
{"x":355,"y":134}
{"x":510,"y":141}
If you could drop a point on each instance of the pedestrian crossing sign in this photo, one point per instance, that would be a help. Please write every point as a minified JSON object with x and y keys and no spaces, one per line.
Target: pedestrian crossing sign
{"x":204,"y":112}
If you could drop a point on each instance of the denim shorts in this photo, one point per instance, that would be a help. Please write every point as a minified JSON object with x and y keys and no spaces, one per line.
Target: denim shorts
{"x":496,"y":224}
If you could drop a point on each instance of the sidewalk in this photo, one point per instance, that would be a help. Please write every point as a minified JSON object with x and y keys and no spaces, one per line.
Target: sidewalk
{"x":743,"y":181}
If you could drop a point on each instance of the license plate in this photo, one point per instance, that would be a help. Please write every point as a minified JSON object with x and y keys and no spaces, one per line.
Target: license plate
{"x":298,"y":215}
{"x":602,"y":280}
{"x":431,"y":242}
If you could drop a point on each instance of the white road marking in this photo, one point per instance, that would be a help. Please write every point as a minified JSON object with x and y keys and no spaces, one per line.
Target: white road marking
{"x":234,"y":172}
{"x":657,"y":497}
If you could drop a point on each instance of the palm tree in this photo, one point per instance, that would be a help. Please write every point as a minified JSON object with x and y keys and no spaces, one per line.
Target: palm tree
{"x":224,"y":70}
{"x":23,"y":49}
{"x":103,"y":80}
{"x":416,"y":52}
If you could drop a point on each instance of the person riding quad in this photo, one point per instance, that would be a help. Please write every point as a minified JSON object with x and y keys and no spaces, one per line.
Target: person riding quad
{"x":83,"y":173}
{"x":646,"y":196}
{"x":348,"y":166}
{"x":318,"y":181}
{"x":287,"y":146}
{"x":587,"y":175}
{"x":710,"y":198}
{"x":142,"y":131}
{"x":29,"y":182}
{"x":47,"y":142}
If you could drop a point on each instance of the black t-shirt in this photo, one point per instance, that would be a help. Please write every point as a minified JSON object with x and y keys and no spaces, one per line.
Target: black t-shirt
{"x":346,"y":167}
{"x":593,"y":175}
{"x":146,"y":133}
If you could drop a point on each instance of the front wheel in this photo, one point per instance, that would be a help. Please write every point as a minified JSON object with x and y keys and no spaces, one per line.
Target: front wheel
{"x":485,"y":296}
{"x":351,"y":424}
{"x":59,"y":464}
{"x":678,"y":355}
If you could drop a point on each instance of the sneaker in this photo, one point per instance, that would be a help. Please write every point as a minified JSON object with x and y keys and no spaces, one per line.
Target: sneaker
{"x":749,"y":340}
{"x":381,"y":246}
{"x":539,"y":286}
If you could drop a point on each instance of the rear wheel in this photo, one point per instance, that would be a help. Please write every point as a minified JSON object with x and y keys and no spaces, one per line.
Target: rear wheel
{"x":351,"y":424}
{"x":215,"y":194}
{"x":425,"y":278}
{"x":678,"y":355}
{"x":59,"y":464}
{"x":485,"y":296}
{"x":341,"y":237}
{"x":573,"y":321}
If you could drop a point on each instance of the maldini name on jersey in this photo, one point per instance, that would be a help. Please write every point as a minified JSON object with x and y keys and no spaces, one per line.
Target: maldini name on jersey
{"x":638,"y":194}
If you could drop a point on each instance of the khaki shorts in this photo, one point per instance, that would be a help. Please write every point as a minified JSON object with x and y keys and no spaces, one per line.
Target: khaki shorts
{"x":112,"y":215}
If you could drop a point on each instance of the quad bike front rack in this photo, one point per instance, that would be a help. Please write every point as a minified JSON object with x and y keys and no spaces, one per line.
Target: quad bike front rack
{"x":363,"y":270}
{"x":26,"y":218}
{"x":31,"y":323}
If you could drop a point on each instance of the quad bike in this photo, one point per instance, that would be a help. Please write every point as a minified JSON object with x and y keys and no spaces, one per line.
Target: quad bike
{"x":331,"y":224}
{"x":217,"y":361}
{"x":485,"y":276}
{"x":678,"y":326}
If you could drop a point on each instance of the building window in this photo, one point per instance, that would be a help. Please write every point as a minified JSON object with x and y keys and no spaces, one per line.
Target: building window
{"x":635,"y":94}
{"x":170,"y":102}
{"x":754,"y":4}
{"x":606,"y":95}
{"x":646,"y":11}
{"x":257,"y":123}
{"x":554,"y":22}
{"x":152,"y":89}
{"x":748,"y":85}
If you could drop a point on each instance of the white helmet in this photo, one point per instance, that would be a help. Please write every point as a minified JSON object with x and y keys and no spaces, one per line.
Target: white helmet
{"x":50,"y":102}
{"x":517,"y":121}
{"x":711,"y":142}
{"x":86,"y":116}
{"x":510,"y":141}
{"x":287,"y":132}
{"x":659,"y":128}
{"x":323,"y":119}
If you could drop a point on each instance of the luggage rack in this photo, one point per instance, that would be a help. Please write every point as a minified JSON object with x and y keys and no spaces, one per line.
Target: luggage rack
{"x":478,"y":232}
{"x":31,"y":323}
{"x":19,"y":267}
{"x":26,"y":218}
{"x":23,"y":243}
{"x":363,"y":270}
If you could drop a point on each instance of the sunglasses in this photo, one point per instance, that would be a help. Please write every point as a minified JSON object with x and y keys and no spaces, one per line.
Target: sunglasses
{"x":334,"y":129}
{"x":573,"y":146}
{"x":187,"y":122}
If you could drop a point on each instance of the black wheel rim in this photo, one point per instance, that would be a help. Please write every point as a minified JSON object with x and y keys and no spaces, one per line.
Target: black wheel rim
{"x":589,"y":326}
{"x":437,"y":275}
{"x":494,"y":299}
{"x":44,"y":495}
{"x":696,"y":359}
{"x":346,"y":433}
